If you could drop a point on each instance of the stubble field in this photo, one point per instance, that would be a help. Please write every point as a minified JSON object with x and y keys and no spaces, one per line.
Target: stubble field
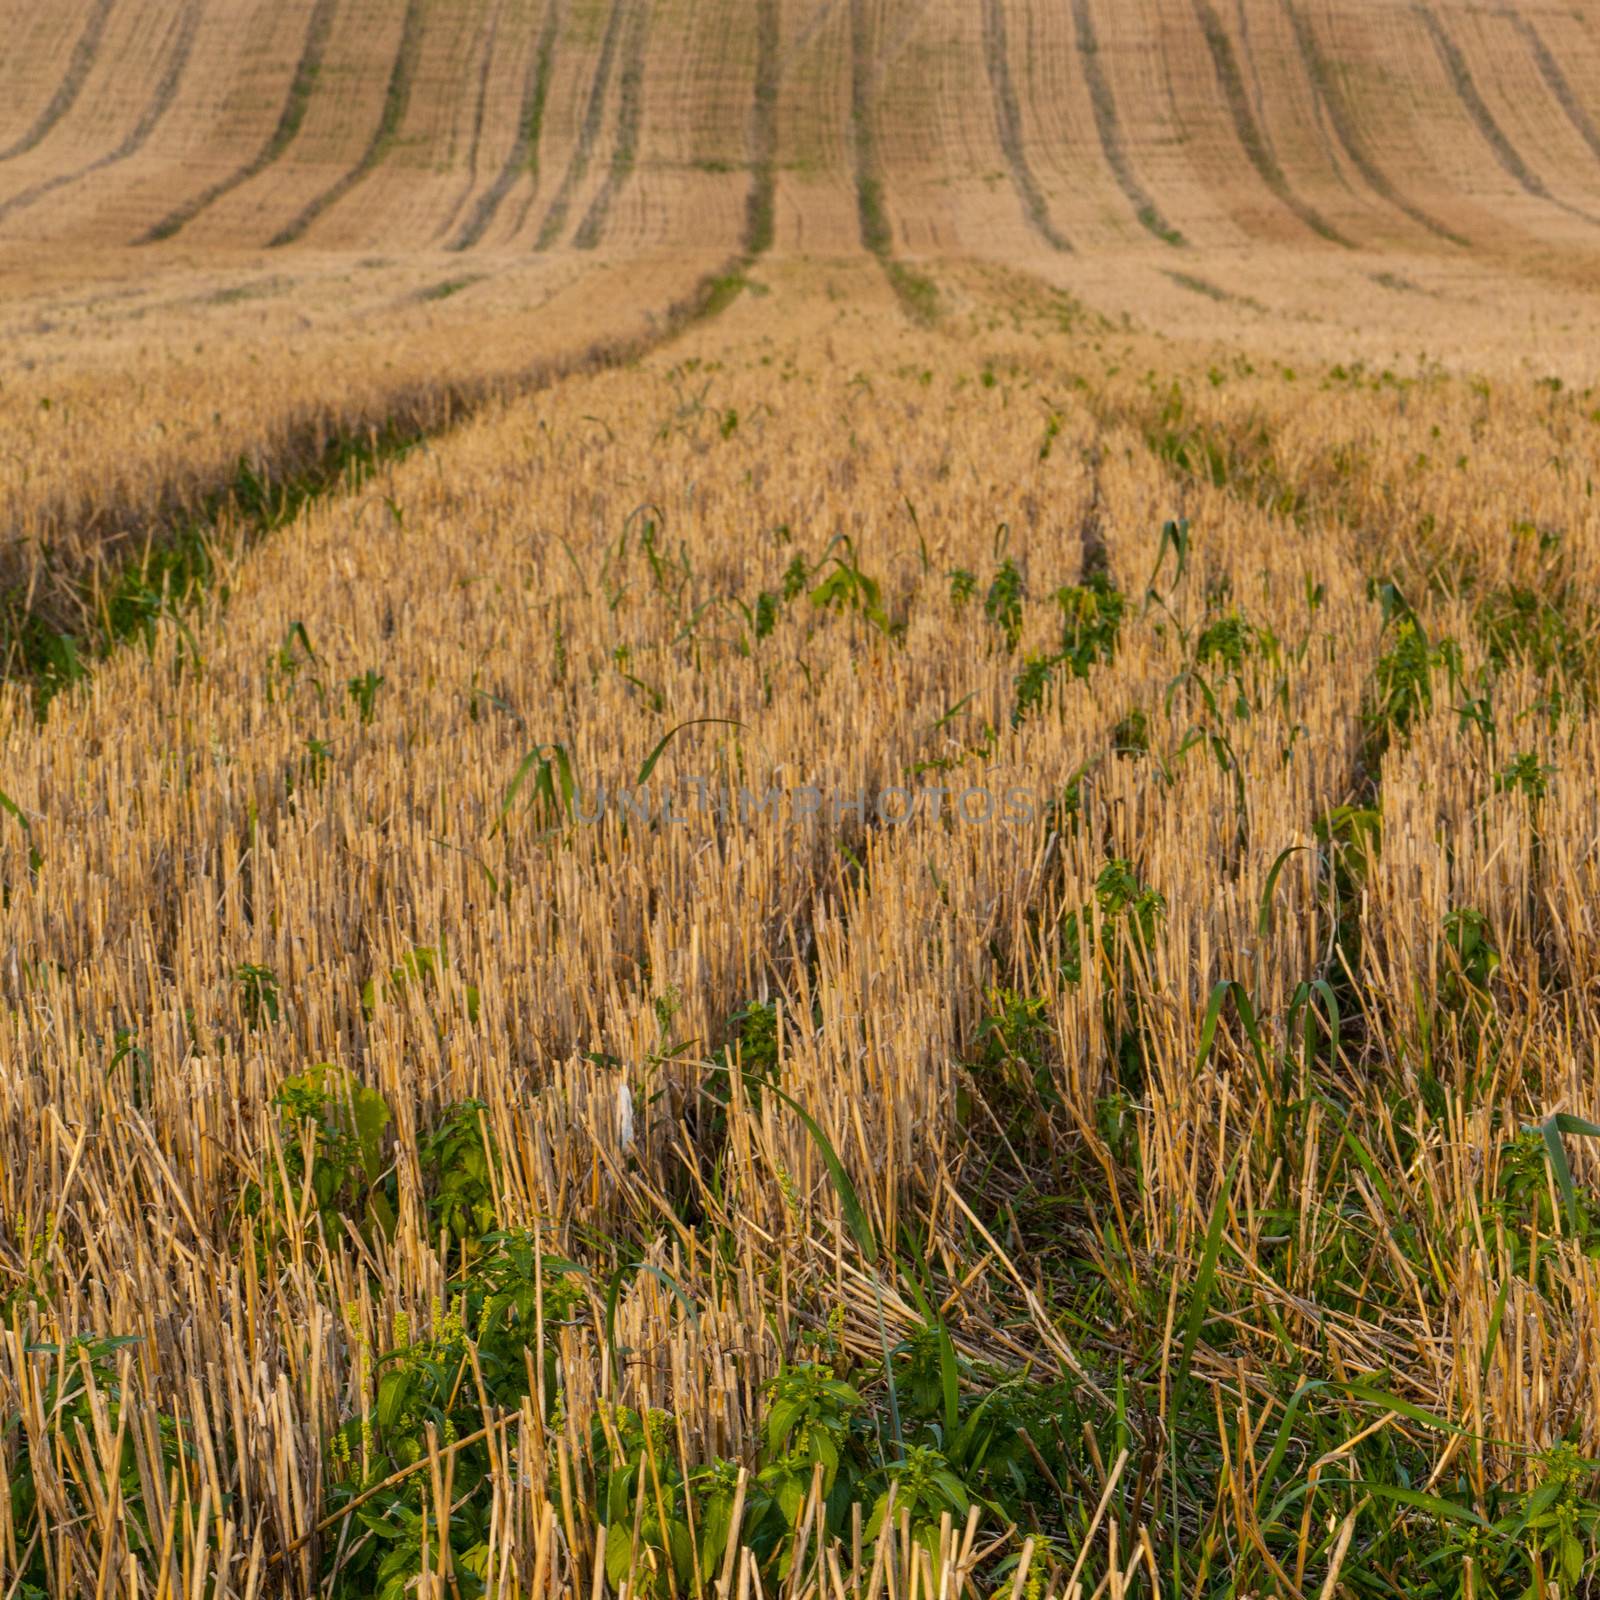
{"x":799,"y":799}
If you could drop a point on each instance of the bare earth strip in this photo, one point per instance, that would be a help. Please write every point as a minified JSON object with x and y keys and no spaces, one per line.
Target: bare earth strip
{"x":1248,"y":129}
{"x":626,"y":151}
{"x":395,"y":101}
{"x":524,"y":157}
{"x":289,"y":123}
{"x":71,"y":86}
{"x":1109,"y":129}
{"x":1008,"y":116}
{"x":156,"y":108}
{"x":1325,"y":81}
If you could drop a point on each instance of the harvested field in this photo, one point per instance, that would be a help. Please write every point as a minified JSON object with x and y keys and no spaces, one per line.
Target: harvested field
{"x":799,"y":798}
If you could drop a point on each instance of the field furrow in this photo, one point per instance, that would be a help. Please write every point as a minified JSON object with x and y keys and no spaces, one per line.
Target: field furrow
{"x":1327,"y":82}
{"x":554,"y":222}
{"x":799,"y":798}
{"x":1558,"y":83}
{"x":522,"y":162}
{"x":185,"y":26}
{"x":85,"y":48}
{"x":625,"y":150}
{"x":307,"y":70}
{"x":1248,"y":129}
{"x":1109,"y":131}
{"x":1479,"y":114}
{"x":397,"y":98}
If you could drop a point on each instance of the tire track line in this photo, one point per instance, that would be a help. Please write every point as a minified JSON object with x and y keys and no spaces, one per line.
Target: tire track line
{"x":1008,"y":116}
{"x":396,"y":100}
{"x":1556,"y":79}
{"x":1249,"y":131}
{"x":314,"y":460}
{"x":872,"y":220}
{"x":71,"y":86}
{"x":290,"y":121}
{"x":760,"y":207}
{"x":1324,"y":85}
{"x":809,"y":30}
{"x":555,"y":219}
{"x":477,"y":121}
{"x":918,"y":296}
{"x":630,"y":114}
{"x":1109,"y":130}
{"x":524,"y":155}
{"x":1477,"y":109}
{"x":155,"y":109}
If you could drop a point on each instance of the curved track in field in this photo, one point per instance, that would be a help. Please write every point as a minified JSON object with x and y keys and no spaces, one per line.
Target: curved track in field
{"x":62,"y":101}
{"x":1347,"y":129}
{"x":1483,"y":119}
{"x":523,"y":160}
{"x":1008,"y":116}
{"x":395,"y":102}
{"x":289,"y":125}
{"x":1108,"y":128}
{"x":555,"y":218}
{"x":155,"y":108}
{"x":1020,"y":127}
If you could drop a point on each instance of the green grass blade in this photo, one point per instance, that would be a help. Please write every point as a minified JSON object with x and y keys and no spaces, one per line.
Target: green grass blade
{"x":1264,"y":917}
{"x":655,"y":755}
{"x":1205,"y":1282}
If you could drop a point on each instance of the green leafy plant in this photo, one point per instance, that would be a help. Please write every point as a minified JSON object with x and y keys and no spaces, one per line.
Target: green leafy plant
{"x":809,"y":1423}
{"x":1470,"y":963}
{"x":449,"y":1388}
{"x":1092,"y":615}
{"x":643,"y":1505}
{"x":922,"y":1486}
{"x":1002,"y":605}
{"x":258,"y":995}
{"x":458,"y":1160}
{"x":1403,"y":684}
{"x":329,"y":1157}
{"x":1526,"y":775}
{"x":1013,"y":1042}
{"x":363,"y":691}
{"x":419,"y":967}
{"x":1129,"y":910}
{"x":848,"y":588}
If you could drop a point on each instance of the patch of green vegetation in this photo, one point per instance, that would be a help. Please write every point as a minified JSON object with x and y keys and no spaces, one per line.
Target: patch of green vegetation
{"x":459,"y":1162}
{"x":450,"y":286}
{"x":81,"y":1398}
{"x":1404,"y":687}
{"x":327,"y":1161}
{"x":1517,"y":624}
{"x":1002,"y":605}
{"x":848,"y":588}
{"x":721,"y":291}
{"x":1092,"y":615}
{"x":166,"y":580}
{"x":1212,"y":291}
{"x":917,"y":293}
{"x":455,"y":1387}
